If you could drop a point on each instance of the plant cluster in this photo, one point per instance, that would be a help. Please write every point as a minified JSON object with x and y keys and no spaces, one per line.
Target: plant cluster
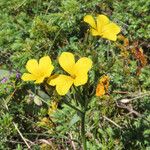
{"x":75,"y":76}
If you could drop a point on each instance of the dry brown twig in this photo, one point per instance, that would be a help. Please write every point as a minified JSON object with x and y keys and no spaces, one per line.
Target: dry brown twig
{"x":15,"y":125}
{"x":129,"y":108}
{"x":72,"y":142}
{"x":112,"y":122}
{"x":23,"y":138}
{"x":125,"y":103}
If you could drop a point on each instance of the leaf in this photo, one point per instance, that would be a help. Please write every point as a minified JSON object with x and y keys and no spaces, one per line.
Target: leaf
{"x":74,"y":120}
{"x":43,"y":95}
{"x":147,"y":132}
{"x":37,"y":100}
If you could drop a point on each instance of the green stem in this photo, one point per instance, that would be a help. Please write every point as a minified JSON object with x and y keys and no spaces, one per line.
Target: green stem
{"x":83,"y":131}
{"x":73,"y":107}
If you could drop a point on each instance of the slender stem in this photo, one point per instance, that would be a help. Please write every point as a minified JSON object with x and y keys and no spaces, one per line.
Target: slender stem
{"x":83,"y":131}
{"x":23,"y":138}
{"x":82,"y":116}
{"x":75,"y":108}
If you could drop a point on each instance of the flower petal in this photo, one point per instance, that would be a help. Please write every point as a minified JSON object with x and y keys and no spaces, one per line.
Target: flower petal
{"x":110,"y":31}
{"x":102,"y":21}
{"x":90,"y":20}
{"x":102,"y":86}
{"x":45,"y":66}
{"x":81,"y":79}
{"x":28,"y":77}
{"x":67,"y":62}
{"x":40,"y":79}
{"x":51,"y":80}
{"x":63,"y":84}
{"x":114,"y":28}
{"x":109,"y":36}
{"x":32,"y":66}
{"x":94,"y":32}
{"x":83,"y":65}
{"x":100,"y":90}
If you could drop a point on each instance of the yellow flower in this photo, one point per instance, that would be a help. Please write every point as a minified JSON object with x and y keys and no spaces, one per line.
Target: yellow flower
{"x":45,"y":122}
{"x":103,"y":27}
{"x":38,"y":71}
{"x":78,"y":73}
{"x":102,"y":86}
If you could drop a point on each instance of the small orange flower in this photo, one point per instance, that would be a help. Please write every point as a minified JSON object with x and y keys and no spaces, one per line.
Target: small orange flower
{"x":102,"y":86}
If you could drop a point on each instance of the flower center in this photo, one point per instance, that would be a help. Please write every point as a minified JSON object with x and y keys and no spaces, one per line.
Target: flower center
{"x":73,"y":76}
